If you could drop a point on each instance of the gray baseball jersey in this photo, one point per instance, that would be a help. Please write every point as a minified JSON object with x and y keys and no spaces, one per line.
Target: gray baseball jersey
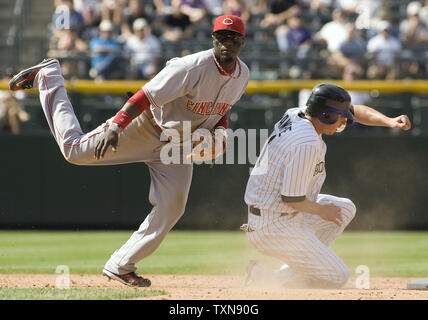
{"x":191,"y":88}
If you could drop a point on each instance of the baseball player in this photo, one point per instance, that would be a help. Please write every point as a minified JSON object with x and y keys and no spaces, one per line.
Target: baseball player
{"x":288,"y":218}
{"x":198,"y":89}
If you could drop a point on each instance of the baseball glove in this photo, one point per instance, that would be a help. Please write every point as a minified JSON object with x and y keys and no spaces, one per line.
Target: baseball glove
{"x":209,"y":147}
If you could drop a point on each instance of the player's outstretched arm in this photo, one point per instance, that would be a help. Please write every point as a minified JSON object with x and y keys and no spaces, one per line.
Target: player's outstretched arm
{"x":371,"y":117}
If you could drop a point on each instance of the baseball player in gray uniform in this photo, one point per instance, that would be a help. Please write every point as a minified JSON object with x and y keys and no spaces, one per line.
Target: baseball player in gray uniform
{"x":288,"y":217}
{"x":198,"y":89}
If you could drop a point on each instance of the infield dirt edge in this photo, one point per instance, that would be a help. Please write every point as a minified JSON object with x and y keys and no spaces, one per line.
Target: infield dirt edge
{"x":222,"y":287}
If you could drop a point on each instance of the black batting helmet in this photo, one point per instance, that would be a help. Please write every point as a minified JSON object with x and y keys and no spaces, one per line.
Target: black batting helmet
{"x":327,"y":101}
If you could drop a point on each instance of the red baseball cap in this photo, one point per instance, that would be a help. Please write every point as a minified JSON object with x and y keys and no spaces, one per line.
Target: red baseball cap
{"x":229,"y":22}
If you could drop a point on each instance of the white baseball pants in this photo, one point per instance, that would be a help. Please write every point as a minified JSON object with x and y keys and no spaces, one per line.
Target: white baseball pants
{"x":139,"y":142}
{"x":301,"y":242}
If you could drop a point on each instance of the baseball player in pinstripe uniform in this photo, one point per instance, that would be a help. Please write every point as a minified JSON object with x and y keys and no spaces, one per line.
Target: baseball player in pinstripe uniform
{"x":198,"y":89}
{"x":288,"y":218}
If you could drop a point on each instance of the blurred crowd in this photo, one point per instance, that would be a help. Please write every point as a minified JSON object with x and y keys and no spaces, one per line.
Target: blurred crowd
{"x":12,"y":115}
{"x":129,"y":33}
{"x":291,"y":39}
{"x":126,"y":39}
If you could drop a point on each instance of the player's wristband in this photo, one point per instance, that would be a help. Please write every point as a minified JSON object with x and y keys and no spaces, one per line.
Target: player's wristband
{"x":140,"y":101}
{"x":122,"y":118}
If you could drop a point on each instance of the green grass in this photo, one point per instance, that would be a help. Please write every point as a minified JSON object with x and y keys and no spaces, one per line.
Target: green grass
{"x":392,"y":254}
{"x":387,"y":254}
{"x":74,"y":294}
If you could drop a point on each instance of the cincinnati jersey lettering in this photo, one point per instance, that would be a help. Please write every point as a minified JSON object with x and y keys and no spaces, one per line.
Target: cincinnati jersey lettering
{"x":208,"y":107}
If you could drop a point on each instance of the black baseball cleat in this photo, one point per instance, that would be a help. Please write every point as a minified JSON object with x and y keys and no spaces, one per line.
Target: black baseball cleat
{"x":130,"y":279}
{"x":25,"y":78}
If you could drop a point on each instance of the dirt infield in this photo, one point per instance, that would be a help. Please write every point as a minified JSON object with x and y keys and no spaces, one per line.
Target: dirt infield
{"x":213,"y":287}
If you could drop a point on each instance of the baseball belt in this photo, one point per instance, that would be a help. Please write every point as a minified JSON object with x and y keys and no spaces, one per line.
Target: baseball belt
{"x":257,"y":212}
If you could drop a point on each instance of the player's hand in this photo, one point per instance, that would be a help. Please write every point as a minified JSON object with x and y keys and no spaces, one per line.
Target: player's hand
{"x":105,"y":140}
{"x":330,"y":212}
{"x":401,"y":122}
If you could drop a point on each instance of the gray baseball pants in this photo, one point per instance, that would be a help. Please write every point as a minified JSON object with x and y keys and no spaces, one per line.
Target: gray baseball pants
{"x":139,"y":142}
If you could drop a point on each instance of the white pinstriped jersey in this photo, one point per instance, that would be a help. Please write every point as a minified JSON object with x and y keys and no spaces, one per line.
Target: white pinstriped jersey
{"x":293,"y":162}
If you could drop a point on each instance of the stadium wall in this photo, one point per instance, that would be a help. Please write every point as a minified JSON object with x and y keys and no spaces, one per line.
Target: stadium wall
{"x":384,"y":176}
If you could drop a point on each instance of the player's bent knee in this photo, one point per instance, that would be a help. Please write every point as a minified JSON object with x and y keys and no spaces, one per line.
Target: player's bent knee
{"x":174,"y":210}
{"x":350,"y":209}
{"x":342,"y":278}
{"x":176,"y":203}
{"x":77,"y":158}
{"x":73,"y":159}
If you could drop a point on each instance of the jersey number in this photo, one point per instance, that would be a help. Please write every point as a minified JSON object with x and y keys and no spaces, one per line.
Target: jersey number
{"x":281,"y":127}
